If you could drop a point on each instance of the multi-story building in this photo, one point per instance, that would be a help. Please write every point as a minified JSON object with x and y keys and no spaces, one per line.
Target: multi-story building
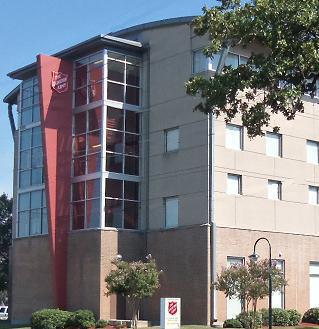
{"x":111,"y":159}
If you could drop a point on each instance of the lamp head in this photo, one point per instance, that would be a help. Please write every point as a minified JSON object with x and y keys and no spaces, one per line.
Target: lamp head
{"x":118,"y":257}
{"x":254,"y":257}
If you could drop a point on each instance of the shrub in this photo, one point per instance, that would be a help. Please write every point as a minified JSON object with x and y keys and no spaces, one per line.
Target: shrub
{"x":232,"y":323}
{"x":294,"y":317}
{"x":246,"y":319}
{"x":311,"y":316}
{"x":82,"y":319}
{"x":101,"y":323}
{"x":281,"y":317}
{"x":49,"y":319}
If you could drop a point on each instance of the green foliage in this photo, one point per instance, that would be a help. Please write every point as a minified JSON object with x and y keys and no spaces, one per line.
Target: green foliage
{"x":280,"y":317}
{"x":249,"y":283}
{"x":278,"y":73}
{"x":232,"y":323}
{"x":82,"y":319}
{"x":50,"y":319}
{"x":101,"y":323}
{"x":133,"y":279}
{"x":5,"y":242}
{"x":250,"y":319}
{"x":311,"y":316}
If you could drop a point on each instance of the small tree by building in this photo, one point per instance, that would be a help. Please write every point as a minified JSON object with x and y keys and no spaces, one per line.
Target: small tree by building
{"x":134,"y":280}
{"x":249,"y":283}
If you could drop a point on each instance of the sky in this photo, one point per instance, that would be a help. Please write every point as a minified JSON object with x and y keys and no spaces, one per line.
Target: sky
{"x":30,"y":27}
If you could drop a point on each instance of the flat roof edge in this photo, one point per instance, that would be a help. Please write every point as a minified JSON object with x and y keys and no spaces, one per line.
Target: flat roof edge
{"x":100,"y":39}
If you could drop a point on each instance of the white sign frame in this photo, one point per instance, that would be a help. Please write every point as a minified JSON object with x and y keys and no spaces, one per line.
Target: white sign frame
{"x":170,"y":313}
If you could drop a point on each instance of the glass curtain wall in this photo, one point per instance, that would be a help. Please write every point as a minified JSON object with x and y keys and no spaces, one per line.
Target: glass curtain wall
{"x":106,"y":138}
{"x":32,"y":212}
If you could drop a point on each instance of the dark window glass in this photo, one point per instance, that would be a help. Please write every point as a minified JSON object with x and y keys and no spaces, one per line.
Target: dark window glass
{"x":113,"y":188}
{"x":37,"y":157}
{"x":81,"y":76}
{"x":113,"y":55}
{"x":25,"y":178}
{"x":80,"y":123}
{"x":115,"y":92}
{"x":130,"y":190}
{"x":79,"y":144}
{"x":25,"y":139}
{"x":36,"y":89}
{"x":114,"y":141}
{"x":78,"y":215}
{"x":94,"y":141}
{"x":44,"y":221}
{"x":27,"y":83}
{"x":96,"y":71}
{"x":78,"y":191}
{"x":25,"y":159}
{"x":26,"y":117}
{"x":132,"y":95}
{"x":95,"y":119}
{"x":131,"y":166}
{"x":44,"y":199}
{"x":113,"y":213}
{"x":132,"y":75}
{"x":23,"y":228}
{"x":80,"y":96}
{"x":93,"y":163}
{"x":132,"y":122}
{"x":79,"y":166}
{"x":35,"y":222}
{"x":93,"y":189}
{"x":130,"y":215}
{"x":131,"y":144}
{"x":24,"y":201}
{"x":36,"y":113}
{"x":93,"y":213}
{"x":115,"y":71}
{"x":114,"y":162}
{"x":115,"y":118}
{"x":95,"y":91}
{"x":36,"y":137}
{"x":36,"y":176}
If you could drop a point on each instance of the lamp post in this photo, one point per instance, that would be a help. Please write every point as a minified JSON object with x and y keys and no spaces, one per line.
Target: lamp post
{"x":254,"y":257}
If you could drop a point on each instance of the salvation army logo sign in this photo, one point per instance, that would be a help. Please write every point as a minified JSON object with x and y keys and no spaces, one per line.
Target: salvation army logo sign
{"x":172,"y":308}
{"x":60,"y":82}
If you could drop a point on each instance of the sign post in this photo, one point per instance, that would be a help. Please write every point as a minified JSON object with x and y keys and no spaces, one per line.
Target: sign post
{"x":170,"y":313}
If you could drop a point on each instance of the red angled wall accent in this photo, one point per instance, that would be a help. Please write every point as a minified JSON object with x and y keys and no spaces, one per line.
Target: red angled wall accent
{"x":55,"y":81}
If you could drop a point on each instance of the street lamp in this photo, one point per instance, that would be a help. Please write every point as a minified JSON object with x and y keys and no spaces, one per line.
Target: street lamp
{"x":254,"y":257}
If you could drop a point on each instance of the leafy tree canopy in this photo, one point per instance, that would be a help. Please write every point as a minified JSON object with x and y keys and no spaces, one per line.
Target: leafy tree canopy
{"x":5,"y":239}
{"x":274,"y":80}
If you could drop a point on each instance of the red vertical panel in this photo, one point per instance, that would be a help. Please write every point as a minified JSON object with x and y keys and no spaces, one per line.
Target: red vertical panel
{"x":55,"y":81}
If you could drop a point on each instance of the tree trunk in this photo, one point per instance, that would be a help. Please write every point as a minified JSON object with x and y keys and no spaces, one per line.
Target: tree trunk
{"x":135,"y":305}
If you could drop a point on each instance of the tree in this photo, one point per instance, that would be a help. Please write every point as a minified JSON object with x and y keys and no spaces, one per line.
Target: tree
{"x":273,"y":81}
{"x":134,"y":280}
{"x":249,"y":283}
{"x":5,"y":242}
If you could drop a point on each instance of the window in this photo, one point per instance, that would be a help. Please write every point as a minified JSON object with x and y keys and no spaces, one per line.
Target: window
{"x":171,"y":140}
{"x":313,"y":192}
{"x":234,"y":184}
{"x":278,"y":297}
{"x":273,"y":144}
{"x":312,"y":152}
{"x":234,"y":137}
{"x":201,"y":63}
{"x":314,"y":284}
{"x":171,"y":212}
{"x":274,"y":190}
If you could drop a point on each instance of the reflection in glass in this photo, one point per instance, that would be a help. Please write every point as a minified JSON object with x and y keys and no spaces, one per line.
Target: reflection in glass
{"x":115,"y":71}
{"x":115,"y":92}
{"x":79,"y":145}
{"x":26,"y":117}
{"x":24,"y":178}
{"x":114,"y":141}
{"x":79,"y":123}
{"x":132,"y":95}
{"x":130,"y":215}
{"x":36,"y":197}
{"x":130,"y":190}
{"x":94,"y":141}
{"x":37,"y":157}
{"x":36,"y":137}
{"x":23,"y":224}
{"x":93,"y":189}
{"x":132,"y":122}
{"x":115,"y":118}
{"x":78,"y":191}
{"x":93,"y":213}
{"x":78,"y":215}
{"x":80,"y":96}
{"x":35,"y":222}
{"x":93,"y":163}
{"x":79,"y":166}
{"x":81,"y":76}
{"x":132,"y":75}
{"x":131,"y":144}
{"x":95,"y":91}
{"x":95,"y":119}
{"x":113,"y":188}
{"x":113,"y":213}
{"x":25,"y":159}
{"x":25,"y":139}
{"x":114,"y":162}
{"x":24,"y":201}
{"x":36,"y":178}
{"x":131,"y":165}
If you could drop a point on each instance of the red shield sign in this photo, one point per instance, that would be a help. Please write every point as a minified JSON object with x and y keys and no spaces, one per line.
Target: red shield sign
{"x":60,"y":82}
{"x":172,"y":308}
